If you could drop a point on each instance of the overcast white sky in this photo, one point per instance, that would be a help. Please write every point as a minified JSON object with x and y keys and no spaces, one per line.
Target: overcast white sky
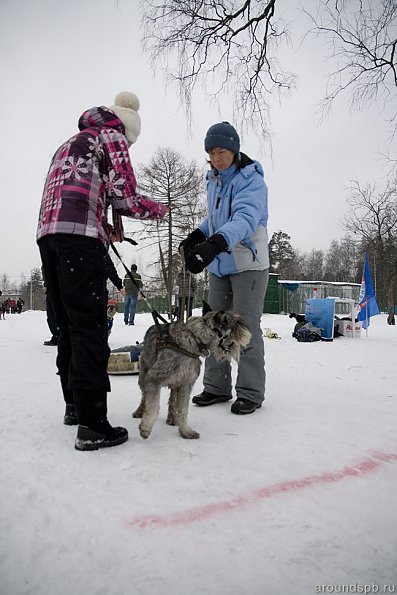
{"x":59,"y":58}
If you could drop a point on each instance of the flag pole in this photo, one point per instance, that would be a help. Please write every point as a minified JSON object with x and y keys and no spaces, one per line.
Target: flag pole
{"x":366,"y":317}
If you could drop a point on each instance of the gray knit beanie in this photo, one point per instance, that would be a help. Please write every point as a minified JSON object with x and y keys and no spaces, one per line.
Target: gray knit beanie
{"x":222,"y":135}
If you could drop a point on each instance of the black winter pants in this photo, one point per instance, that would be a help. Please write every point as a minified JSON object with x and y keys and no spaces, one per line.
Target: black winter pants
{"x":74,"y":270}
{"x":51,"y":320}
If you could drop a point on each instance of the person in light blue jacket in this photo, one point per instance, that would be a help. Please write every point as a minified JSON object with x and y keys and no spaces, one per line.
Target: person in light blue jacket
{"x":232,"y":243}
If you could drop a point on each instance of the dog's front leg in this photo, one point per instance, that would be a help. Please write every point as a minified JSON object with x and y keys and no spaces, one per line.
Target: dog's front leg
{"x":138,"y":413}
{"x":181,"y":411}
{"x":151,"y":397}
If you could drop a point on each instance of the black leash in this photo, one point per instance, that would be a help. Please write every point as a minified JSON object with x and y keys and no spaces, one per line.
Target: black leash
{"x":164,"y":340}
{"x":156,"y":316}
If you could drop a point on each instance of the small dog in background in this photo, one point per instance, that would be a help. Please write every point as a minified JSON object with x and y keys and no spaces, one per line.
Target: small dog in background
{"x":171,"y":357}
{"x":298,"y":317}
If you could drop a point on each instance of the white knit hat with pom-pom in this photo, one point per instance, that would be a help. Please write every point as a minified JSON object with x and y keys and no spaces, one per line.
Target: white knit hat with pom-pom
{"x":126,"y":106}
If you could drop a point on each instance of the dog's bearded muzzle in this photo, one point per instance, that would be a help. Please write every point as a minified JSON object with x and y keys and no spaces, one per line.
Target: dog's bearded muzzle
{"x":222,"y":339}
{"x":232,"y":340}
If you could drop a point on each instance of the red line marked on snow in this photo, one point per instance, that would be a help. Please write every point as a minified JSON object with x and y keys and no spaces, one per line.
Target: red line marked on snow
{"x":200,"y":513}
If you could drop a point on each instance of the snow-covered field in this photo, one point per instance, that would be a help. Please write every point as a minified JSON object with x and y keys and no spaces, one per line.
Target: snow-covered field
{"x":298,"y":498}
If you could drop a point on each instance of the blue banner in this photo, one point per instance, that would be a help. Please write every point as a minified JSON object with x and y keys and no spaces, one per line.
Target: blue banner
{"x":368,"y":304}
{"x":321,"y":313}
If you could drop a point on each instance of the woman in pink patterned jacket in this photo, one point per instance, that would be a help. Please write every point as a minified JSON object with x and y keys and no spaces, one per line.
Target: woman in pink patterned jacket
{"x":88,"y":174}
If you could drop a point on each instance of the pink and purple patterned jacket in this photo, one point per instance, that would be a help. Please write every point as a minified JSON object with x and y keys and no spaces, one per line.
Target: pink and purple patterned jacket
{"x":88,"y":173}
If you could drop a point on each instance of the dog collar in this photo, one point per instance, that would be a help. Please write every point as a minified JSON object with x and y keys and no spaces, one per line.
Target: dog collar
{"x":169,"y":345}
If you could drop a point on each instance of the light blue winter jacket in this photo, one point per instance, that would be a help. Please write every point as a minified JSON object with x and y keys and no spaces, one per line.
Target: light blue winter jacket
{"x":237,"y":209}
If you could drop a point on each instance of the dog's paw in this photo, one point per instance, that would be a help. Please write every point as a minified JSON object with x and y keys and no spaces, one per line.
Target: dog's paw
{"x":144,"y":433}
{"x":170,"y":420}
{"x":191,"y":434}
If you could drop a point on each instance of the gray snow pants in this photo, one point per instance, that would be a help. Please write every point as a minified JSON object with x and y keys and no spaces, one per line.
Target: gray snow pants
{"x":243,"y":293}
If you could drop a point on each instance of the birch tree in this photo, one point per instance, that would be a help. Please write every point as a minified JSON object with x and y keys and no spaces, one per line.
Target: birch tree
{"x":179,"y":185}
{"x":372,"y":217}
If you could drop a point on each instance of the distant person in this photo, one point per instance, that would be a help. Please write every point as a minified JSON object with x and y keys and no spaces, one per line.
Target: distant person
{"x":187,"y":286}
{"x":131,"y":294}
{"x":20,"y":305}
{"x":88,"y":173}
{"x":4,"y":308}
{"x":232,"y":243}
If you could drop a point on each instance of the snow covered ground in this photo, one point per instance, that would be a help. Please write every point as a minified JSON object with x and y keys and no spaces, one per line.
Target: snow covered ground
{"x":298,"y":498}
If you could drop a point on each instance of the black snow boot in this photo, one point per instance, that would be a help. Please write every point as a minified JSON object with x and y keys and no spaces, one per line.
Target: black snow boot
{"x":102,"y":435}
{"x":244,"y":406}
{"x":204,"y":399}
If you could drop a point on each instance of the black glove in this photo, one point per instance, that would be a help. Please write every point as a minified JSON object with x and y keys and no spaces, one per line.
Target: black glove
{"x":194,"y":238}
{"x":201,"y":255}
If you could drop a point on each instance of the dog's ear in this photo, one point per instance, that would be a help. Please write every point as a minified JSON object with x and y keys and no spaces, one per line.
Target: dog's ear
{"x":206,"y":307}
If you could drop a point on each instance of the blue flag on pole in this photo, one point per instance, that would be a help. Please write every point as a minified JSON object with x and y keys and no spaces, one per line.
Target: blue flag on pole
{"x":368,"y":304}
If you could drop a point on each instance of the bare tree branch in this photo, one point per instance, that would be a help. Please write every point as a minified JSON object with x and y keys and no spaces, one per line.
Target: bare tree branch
{"x":227,"y":46}
{"x":362,"y":36}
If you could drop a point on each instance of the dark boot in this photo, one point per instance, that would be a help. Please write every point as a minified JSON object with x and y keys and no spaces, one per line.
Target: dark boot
{"x":204,"y":399}
{"x":102,"y":435}
{"x":244,"y":406}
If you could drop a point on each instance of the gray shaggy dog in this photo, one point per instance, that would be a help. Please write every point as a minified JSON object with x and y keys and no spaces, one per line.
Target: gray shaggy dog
{"x":171,"y":357}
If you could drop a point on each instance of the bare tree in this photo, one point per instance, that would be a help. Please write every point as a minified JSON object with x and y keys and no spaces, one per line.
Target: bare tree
{"x":180,"y":186}
{"x":295,"y":268}
{"x":341,"y":261}
{"x":373,"y":217}
{"x":4,"y":282}
{"x":227,"y":45}
{"x":314,"y":265}
{"x":362,"y":38}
